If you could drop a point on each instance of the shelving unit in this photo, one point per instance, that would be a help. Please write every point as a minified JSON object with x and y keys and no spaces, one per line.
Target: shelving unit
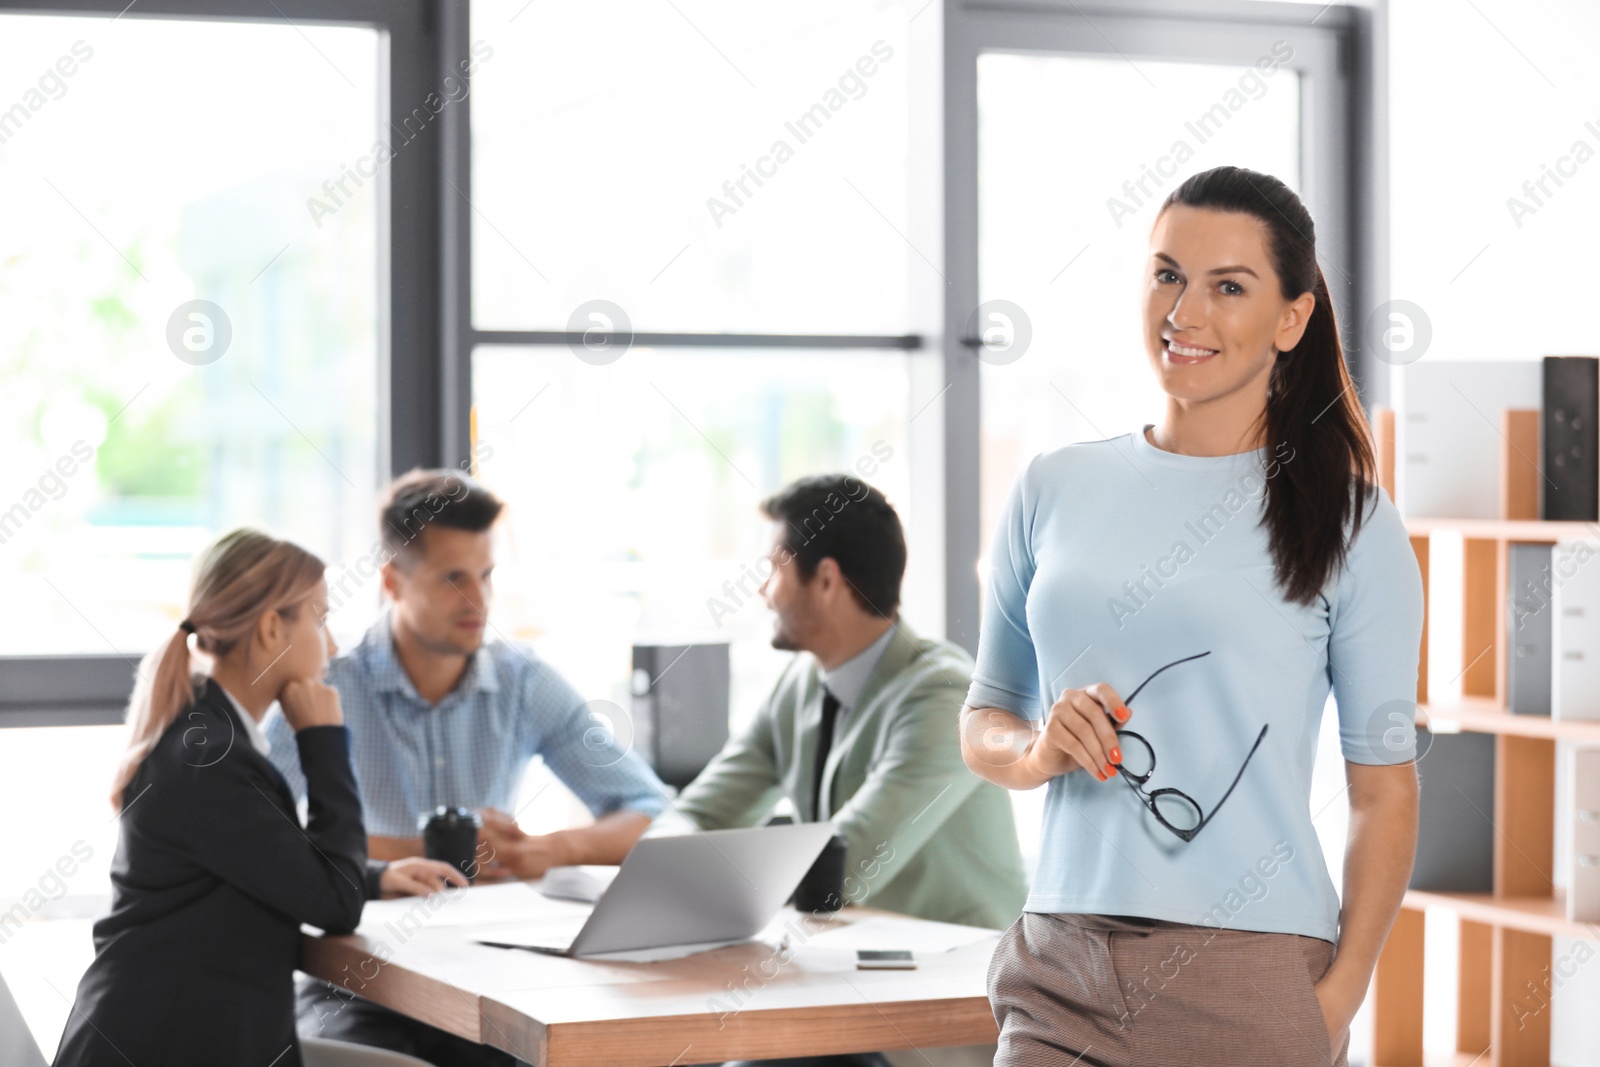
{"x":1505,"y":949}
{"x":1484,"y":716}
{"x":1535,"y":915}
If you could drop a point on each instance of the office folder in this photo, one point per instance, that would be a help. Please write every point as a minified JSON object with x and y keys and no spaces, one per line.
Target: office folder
{"x":1569,"y":485}
{"x":1529,"y":628}
{"x":1575,"y":689}
{"x":1448,"y":439}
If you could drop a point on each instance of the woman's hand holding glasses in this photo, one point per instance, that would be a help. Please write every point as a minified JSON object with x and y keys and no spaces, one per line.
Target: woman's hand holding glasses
{"x":1080,"y":731}
{"x":1085,"y":728}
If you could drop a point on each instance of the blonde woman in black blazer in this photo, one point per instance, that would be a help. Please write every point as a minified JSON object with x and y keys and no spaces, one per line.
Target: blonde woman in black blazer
{"x":214,"y":874}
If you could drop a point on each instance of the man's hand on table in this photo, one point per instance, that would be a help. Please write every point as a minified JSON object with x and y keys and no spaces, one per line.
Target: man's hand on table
{"x":505,"y":852}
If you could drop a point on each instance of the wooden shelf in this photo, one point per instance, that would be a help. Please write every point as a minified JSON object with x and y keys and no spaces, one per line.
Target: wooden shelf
{"x":1485,"y":716}
{"x":1505,"y":937}
{"x":1536,"y":915}
{"x":1505,"y":529}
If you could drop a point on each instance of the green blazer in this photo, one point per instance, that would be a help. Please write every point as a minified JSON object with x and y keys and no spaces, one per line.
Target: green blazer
{"x":927,"y":836}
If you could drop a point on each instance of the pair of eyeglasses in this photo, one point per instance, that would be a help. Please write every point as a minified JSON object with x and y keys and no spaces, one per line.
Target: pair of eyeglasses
{"x":1173,"y":808}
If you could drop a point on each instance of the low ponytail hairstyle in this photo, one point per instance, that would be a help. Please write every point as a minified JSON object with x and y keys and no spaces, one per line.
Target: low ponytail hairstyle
{"x":1327,"y":473}
{"x":237,"y":579}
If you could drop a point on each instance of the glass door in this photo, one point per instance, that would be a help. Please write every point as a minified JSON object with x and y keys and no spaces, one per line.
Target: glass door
{"x":678,"y":341}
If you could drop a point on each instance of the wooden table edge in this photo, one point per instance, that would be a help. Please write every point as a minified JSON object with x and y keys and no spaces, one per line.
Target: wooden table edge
{"x":665,"y":1040}
{"x":351,"y":962}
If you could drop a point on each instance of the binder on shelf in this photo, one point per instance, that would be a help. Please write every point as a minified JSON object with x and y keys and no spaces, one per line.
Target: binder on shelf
{"x":1575,"y":690}
{"x":1455,"y":834}
{"x":1570,"y":488}
{"x":1448,"y":432}
{"x":1529,"y":628}
{"x":1583,"y":885}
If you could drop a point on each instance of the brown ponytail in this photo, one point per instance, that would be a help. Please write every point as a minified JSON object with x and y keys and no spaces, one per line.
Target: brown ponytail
{"x":1314,"y":430}
{"x":237,"y":579}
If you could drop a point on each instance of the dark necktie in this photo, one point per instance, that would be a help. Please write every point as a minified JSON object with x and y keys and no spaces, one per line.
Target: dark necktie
{"x":830,"y":712}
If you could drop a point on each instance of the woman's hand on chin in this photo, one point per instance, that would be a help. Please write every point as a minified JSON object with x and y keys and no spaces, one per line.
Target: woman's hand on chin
{"x":309,"y":702}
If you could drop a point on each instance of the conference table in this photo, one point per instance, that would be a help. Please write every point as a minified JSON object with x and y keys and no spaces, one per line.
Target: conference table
{"x":794,"y":991}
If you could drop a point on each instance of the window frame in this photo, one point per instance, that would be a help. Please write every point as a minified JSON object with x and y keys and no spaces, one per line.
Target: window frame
{"x":462,"y":337}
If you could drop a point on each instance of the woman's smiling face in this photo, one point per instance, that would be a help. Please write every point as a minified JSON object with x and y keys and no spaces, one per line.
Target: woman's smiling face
{"x":1214,"y":312}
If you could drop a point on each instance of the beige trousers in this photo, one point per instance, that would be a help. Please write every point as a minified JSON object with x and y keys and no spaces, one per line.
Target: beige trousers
{"x":1121,"y":991}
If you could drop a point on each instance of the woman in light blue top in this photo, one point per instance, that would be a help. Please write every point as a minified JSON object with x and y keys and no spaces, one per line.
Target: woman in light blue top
{"x":1165,"y":614}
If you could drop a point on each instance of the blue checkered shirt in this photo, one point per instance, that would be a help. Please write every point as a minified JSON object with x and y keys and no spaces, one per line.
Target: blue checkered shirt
{"x":473,"y":747}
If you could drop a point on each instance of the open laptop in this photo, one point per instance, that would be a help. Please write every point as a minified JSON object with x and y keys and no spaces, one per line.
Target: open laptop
{"x":714,"y":887}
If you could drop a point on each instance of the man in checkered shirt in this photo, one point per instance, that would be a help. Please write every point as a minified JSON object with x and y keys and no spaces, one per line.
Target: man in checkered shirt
{"x":438,"y":716}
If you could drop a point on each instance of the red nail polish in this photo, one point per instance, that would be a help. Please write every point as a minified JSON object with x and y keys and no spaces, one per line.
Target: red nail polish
{"x":1116,"y":754}
{"x":1110,"y":770}
{"x":1122,"y":713}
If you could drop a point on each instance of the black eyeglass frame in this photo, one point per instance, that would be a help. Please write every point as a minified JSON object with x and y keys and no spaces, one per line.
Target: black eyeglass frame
{"x":1148,"y":797}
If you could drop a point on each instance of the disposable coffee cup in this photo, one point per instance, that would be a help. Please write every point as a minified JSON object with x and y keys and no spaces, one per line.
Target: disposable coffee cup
{"x":822,"y":889}
{"x":451,"y":836}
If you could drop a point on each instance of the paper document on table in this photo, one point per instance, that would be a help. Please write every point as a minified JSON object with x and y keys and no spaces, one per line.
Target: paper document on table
{"x":892,"y":932}
{"x":478,"y":905}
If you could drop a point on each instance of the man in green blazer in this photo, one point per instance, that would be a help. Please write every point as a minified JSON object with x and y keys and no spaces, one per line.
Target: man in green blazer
{"x":881,"y":704}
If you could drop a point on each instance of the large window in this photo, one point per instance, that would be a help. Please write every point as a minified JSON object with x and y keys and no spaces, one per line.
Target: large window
{"x":189,"y":304}
{"x":729,"y":169}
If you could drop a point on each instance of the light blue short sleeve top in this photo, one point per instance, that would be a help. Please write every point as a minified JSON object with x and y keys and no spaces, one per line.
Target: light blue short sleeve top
{"x":1114,"y":558}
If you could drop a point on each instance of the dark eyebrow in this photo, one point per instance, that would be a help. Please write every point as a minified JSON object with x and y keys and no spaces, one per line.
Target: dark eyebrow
{"x":1237,"y":269}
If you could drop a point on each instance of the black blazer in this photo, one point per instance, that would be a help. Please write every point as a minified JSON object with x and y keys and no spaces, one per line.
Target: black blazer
{"x":212,"y":877}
